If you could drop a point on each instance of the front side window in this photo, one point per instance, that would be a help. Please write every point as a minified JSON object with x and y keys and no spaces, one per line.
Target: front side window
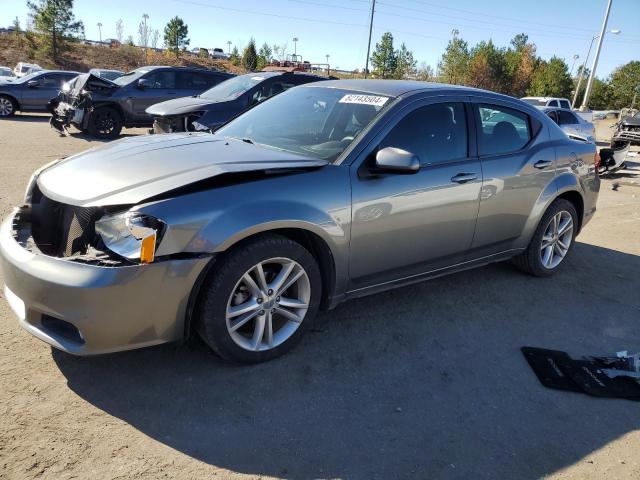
{"x":162,"y":79}
{"x":503,"y":130}
{"x":553,"y":103}
{"x":52,"y":81}
{"x":317,"y":122}
{"x":565,"y":104}
{"x":435,"y":133}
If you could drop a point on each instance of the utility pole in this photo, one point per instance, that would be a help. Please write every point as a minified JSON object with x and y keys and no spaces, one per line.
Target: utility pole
{"x":295,"y":47}
{"x":229,"y":47}
{"x":100,"y":30}
{"x":373,"y":9}
{"x":603,"y":30}
{"x":327,"y":57}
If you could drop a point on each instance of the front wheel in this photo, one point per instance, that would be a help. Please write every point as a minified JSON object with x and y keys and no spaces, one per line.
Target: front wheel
{"x":552,"y":241}
{"x":257,"y":304}
{"x":105,"y":123}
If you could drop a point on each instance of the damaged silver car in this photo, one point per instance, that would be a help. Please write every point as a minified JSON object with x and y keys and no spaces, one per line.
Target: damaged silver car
{"x":329,"y":191}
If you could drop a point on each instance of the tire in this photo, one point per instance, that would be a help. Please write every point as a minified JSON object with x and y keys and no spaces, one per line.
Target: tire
{"x":225,"y":288}
{"x":8,"y":106}
{"x":105,"y":123}
{"x":532,"y":260}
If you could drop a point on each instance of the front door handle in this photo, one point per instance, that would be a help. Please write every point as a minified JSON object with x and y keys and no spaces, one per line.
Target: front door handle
{"x":464,"y":177}
{"x":542,"y":164}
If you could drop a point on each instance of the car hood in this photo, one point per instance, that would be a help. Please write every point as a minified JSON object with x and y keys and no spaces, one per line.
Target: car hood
{"x":91,"y":83}
{"x":635,"y":121}
{"x":180,"y":106}
{"x":131,"y":170}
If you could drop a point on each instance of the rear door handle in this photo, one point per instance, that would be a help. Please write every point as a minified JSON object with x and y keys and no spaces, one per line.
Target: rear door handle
{"x":542,"y":164}
{"x":464,"y":177}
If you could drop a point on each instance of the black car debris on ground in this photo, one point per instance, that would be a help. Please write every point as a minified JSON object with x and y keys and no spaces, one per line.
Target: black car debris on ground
{"x":102,"y":107}
{"x":32,"y":92}
{"x":218,"y":105}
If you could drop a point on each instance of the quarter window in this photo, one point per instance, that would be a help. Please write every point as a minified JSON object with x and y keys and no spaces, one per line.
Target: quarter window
{"x":435,"y":133}
{"x":504,"y":130}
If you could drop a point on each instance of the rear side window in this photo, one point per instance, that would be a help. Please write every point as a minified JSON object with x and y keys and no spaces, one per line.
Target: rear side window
{"x":503,"y":130}
{"x":193,"y":81}
{"x":566,"y":118}
{"x":553,"y":103}
{"x":435,"y":133}
{"x":565,"y":104}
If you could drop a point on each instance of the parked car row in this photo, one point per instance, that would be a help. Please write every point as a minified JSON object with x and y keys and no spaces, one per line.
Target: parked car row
{"x":327,"y":191}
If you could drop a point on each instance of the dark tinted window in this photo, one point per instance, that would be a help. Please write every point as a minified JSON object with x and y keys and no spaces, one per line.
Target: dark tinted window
{"x":553,"y":116}
{"x":565,"y":104}
{"x":553,"y":103}
{"x":195,"y":80}
{"x":269,"y":89}
{"x":162,"y":79}
{"x":436,"y":133}
{"x":503,"y":130}
{"x":52,"y":81}
{"x":566,"y":118}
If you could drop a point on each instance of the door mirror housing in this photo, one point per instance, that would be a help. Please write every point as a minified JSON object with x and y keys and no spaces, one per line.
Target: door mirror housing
{"x":396,"y":160}
{"x":143,"y":83}
{"x":33,"y":83}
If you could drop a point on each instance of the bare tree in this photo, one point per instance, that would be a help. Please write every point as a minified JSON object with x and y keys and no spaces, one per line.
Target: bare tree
{"x":120,"y":30}
{"x":155,"y":38}
{"x":143,"y":31}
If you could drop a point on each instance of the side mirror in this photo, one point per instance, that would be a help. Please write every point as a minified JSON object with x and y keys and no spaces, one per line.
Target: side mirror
{"x":33,"y":83}
{"x":143,"y":83}
{"x":396,"y":160}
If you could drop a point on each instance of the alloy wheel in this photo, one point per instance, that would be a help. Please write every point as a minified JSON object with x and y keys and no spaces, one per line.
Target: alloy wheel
{"x":6,"y":107}
{"x":268,"y":304}
{"x":556,"y":239}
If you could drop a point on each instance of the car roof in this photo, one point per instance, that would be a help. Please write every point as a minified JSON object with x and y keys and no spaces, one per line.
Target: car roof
{"x":57,"y":71}
{"x":195,"y":69}
{"x":395,"y":88}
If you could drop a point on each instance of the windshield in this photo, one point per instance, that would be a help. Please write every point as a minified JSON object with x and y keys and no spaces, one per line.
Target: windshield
{"x":232,"y":88}
{"x":534,"y":101}
{"x":317,"y":122}
{"x":5,"y":72}
{"x":129,"y":77}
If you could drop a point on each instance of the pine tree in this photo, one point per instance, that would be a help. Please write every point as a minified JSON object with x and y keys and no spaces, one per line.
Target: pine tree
{"x":250,"y":56}
{"x":384,"y":59}
{"x":176,"y":35}
{"x":54,"y":19}
{"x":454,"y":63}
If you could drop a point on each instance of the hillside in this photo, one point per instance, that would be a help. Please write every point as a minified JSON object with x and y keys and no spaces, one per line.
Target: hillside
{"x":81,"y":57}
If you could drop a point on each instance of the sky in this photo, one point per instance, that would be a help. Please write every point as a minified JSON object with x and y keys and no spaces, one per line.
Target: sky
{"x":340,"y":28}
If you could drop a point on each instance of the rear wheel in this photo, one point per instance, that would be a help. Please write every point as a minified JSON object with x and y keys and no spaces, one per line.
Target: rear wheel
{"x":552,"y":240}
{"x":260,"y":300}
{"x":105,"y":123}
{"x":8,"y":106}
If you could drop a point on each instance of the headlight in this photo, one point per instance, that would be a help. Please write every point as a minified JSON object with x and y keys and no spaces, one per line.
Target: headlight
{"x":131,"y":235}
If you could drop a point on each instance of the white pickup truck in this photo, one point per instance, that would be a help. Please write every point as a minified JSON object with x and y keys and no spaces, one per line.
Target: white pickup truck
{"x":556,"y":102}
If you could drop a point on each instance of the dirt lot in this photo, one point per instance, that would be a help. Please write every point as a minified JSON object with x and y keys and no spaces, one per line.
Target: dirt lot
{"x":423,"y":382}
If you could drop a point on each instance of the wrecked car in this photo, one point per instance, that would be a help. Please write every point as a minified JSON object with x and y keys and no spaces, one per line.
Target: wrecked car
{"x":329,"y":191}
{"x":103,"y":107}
{"x":627,"y":130}
{"x":218,"y":105}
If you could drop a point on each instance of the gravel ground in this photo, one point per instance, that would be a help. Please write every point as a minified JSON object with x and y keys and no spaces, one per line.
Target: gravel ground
{"x":425,"y":381}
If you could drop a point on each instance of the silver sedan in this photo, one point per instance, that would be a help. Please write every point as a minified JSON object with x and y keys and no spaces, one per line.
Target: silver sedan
{"x":326,"y":192}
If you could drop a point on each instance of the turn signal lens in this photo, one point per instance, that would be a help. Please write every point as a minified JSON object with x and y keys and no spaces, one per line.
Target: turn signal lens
{"x":148,"y":249}
{"x":597,"y":160}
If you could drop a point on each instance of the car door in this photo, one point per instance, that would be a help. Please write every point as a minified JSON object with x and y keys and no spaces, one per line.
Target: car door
{"x":517,"y":164}
{"x":159,"y":85}
{"x":404,"y":225}
{"x":38,"y":91}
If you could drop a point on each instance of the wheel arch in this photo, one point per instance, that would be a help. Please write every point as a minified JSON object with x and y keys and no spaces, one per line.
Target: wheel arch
{"x":12,"y":98}
{"x":116,"y":106}
{"x":310,"y":240}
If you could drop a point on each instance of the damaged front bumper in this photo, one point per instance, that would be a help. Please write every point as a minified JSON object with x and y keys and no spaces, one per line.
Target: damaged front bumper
{"x":84,"y":308}
{"x":64,"y":114}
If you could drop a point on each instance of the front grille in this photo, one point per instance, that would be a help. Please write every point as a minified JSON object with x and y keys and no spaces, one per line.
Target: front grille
{"x":62,"y":230}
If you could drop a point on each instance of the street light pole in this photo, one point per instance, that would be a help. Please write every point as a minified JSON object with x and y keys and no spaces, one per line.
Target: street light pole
{"x":366,"y":66}
{"x":295,"y":47}
{"x":229,"y":47}
{"x":100,"y":30}
{"x":584,"y":65}
{"x":575,"y":57}
{"x":603,"y":30}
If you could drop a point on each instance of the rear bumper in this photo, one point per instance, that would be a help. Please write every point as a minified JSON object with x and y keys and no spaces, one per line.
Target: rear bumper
{"x":86,"y":309}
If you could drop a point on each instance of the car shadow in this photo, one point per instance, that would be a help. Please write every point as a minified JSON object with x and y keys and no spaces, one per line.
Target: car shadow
{"x":423,"y":381}
{"x":27,"y":117}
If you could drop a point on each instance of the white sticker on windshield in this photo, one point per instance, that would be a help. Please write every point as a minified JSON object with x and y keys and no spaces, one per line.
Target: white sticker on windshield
{"x":374,"y":100}
{"x":259,"y":79}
